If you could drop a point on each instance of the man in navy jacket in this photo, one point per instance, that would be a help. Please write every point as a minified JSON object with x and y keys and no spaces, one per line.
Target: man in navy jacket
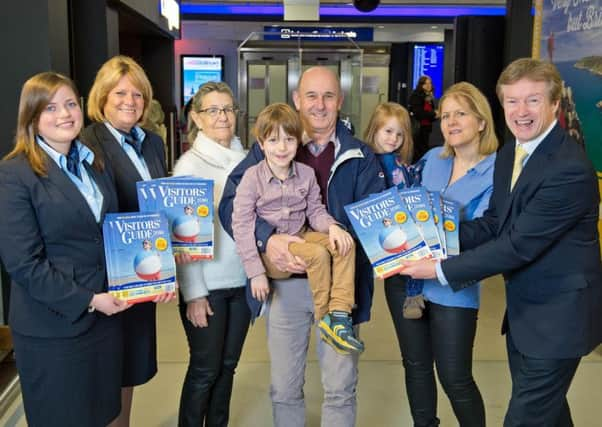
{"x":540,"y":232}
{"x":347,"y":171}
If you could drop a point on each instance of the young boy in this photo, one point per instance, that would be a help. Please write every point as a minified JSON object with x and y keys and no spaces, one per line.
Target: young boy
{"x":286,"y":194}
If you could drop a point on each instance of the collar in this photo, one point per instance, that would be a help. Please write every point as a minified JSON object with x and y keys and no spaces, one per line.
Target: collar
{"x":120,"y":138}
{"x":266,"y":174}
{"x":531,"y":146}
{"x":85,"y":154}
{"x":484,"y":165}
{"x":218,"y":154}
{"x":306,"y":139}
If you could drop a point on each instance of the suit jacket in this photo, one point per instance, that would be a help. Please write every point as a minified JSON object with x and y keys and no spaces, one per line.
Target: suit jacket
{"x":543,"y":238}
{"x":52,"y":248}
{"x":126,"y":174}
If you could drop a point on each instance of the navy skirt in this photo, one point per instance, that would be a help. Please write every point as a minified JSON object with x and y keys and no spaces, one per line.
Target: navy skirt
{"x":75,"y":381}
{"x":139,"y":344}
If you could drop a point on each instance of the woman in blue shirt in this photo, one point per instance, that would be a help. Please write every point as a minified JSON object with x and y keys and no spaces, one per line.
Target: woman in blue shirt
{"x":462,"y":170}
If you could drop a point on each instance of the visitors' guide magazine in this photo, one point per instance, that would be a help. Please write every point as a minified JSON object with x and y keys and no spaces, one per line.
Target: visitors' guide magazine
{"x":140,"y":263}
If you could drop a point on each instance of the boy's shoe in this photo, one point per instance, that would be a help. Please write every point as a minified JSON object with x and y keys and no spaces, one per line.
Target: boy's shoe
{"x":337,"y":327}
{"x":413,"y":307}
{"x":326,"y":338}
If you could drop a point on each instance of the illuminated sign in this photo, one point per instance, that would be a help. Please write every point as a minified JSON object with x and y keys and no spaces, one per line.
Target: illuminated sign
{"x":428,"y":60}
{"x":362,"y":34}
{"x":170,"y":9}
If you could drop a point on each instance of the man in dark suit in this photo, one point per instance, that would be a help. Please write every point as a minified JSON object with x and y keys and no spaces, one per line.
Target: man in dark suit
{"x":540,"y":232}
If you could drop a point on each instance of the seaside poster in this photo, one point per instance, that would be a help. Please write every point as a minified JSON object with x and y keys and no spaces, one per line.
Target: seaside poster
{"x":568,"y":33}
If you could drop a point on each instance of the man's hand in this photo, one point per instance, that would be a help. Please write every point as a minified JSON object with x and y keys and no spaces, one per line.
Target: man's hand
{"x":279,"y":255}
{"x":260,"y":287}
{"x":340,"y":239}
{"x":421,"y":269}
{"x":197,"y":311}
{"x":108,"y":304}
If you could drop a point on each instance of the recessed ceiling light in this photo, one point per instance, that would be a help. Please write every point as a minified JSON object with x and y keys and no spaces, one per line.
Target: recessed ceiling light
{"x":434,"y":27}
{"x":380,"y":27}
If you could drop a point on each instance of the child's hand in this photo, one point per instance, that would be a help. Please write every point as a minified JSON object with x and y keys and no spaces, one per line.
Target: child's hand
{"x":340,"y":239}
{"x":260,"y":287}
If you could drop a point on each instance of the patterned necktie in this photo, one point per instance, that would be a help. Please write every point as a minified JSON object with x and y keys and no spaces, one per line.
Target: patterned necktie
{"x":73,"y":160}
{"x":519,"y":157}
{"x":131,"y":138}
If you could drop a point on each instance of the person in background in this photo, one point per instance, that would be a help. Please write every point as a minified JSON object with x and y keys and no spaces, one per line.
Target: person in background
{"x":540,"y":232}
{"x":213,"y":306}
{"x":422,"y":108}
{"x":390,"y":137}
{"x":117,"y":103}
{"x":155,"y":120}
{"x":54,"y":192}
{"x":347,"y":171}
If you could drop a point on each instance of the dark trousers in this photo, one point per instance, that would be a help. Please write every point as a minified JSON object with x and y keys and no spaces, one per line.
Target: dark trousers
{"x":539,"y":388}
{"x":421,"y":142}
{"x":214,"y":354}
{"x":443,"y":336}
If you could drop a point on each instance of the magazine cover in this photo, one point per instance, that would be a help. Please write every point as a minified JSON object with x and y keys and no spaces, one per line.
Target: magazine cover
{"x":188,"y":205}
{"x":140,"y":263}
{"x":386,"y":231}
{"x":418,"y":203}
{"x":435,"y":198}
{"x":451,"y":223}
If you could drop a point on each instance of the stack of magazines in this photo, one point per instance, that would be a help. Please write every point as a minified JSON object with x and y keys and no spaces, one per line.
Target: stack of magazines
{"x":407,"y":224}
{"x":176,"y":216}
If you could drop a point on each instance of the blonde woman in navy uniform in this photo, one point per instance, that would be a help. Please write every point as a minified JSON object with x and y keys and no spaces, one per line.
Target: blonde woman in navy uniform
{"x":118,"y":101}
{"x":54,"y":192}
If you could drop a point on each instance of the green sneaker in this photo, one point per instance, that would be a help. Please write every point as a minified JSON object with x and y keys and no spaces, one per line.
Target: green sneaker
{"x":326,"y":338}
{"x":339,"y":330}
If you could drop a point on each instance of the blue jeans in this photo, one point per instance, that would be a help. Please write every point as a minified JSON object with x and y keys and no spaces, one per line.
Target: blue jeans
{"x":289,"y":322}
{"x":413,"y":287}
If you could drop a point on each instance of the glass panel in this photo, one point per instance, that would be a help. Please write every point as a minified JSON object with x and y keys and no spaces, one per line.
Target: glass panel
{"x":256,"y":95}
{"x":375,"y":89}
{"x":277,"y":87}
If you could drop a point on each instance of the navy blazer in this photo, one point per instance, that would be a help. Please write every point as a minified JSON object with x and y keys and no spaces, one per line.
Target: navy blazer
{"x":543,"y":238}
{"x":52,"y":248}
{"x":126,"y":175}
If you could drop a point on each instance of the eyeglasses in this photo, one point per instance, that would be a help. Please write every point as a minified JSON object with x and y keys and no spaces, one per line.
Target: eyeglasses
{"x":214,"y":111}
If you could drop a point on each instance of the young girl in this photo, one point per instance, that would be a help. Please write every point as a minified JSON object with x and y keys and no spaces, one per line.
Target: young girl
{"x":390,"y":137}
{"x":286,"y":194}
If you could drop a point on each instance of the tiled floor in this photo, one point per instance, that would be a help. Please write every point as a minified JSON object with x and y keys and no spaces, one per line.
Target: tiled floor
{"x":381,"y":396}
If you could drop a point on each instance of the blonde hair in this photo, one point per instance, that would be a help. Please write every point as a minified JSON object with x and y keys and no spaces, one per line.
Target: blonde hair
{"x":381,"y":114}
{"x":274,"y":116}
{"x":197,"y":103}
{"x":155,"y":118}
{"x":474,"y":100}
{"x":531,"y":69}
{"x":36,"y":94}
{"x":108,"y":77}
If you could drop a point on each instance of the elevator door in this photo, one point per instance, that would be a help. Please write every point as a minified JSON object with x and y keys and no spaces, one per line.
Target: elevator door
{"x":269,"y":74}
{"x":267,"y":84}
